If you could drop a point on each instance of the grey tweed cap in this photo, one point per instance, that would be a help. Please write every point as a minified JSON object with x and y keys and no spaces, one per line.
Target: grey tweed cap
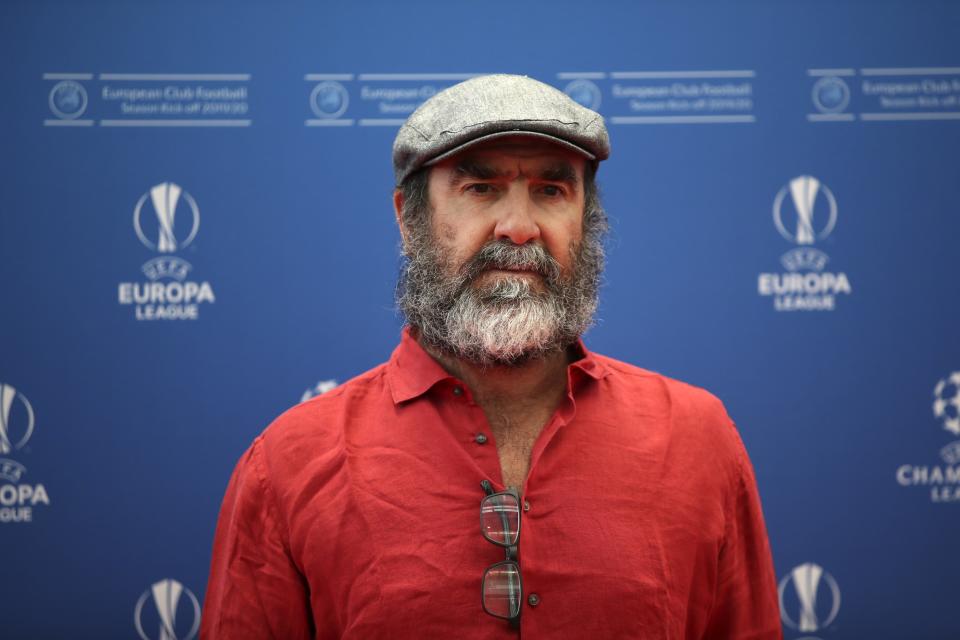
{"x":491,"y":106}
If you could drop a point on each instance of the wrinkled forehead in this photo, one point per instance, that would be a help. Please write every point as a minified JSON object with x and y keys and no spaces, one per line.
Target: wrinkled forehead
{"x":513,"y":153}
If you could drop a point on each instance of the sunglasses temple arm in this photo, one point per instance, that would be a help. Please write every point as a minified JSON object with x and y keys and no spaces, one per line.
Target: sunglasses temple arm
{"x":487,"y":487}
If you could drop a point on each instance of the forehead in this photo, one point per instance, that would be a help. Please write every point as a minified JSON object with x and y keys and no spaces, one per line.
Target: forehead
{"x":514,"y":150}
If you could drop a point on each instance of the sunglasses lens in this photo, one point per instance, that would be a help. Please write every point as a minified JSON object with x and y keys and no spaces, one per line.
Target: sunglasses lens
{"x":501,"y":590}
{"x":500,"y":519}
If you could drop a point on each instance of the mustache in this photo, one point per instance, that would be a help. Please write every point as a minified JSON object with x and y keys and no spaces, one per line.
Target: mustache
{"x":503,"y":254}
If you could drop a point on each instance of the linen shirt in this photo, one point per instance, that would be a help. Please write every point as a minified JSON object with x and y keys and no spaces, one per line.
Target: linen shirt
{"x":356,"y":515}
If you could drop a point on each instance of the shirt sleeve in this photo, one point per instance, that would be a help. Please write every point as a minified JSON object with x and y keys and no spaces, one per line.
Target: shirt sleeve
{"x":746,"y":606}
{"x":255,"y":589}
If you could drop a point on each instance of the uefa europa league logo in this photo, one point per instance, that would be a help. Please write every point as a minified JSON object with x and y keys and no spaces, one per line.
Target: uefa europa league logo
{"x":814,"y":606}
{"x":165,"y":200}
{"x":14,"y":421}
{"x":165,"y":596}
{"x":809,"y":198}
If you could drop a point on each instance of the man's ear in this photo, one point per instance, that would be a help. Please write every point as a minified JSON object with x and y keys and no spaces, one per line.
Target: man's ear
{"x":398,"y":211}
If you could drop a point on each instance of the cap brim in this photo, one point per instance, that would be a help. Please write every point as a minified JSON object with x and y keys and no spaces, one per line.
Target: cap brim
{"x":504,"y":134}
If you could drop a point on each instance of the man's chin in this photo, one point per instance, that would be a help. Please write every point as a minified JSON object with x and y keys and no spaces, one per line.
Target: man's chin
{"x":511,"y":349}
{"x":506,"y":359}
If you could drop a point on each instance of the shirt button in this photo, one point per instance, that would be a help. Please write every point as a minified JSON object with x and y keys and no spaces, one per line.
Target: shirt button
{"x":457,"y":391}
{"x":481,"y":438}
{"x":526,"y":506}
{"x":533,"y":599}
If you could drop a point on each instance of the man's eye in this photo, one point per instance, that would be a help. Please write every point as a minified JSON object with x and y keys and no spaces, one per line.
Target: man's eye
{"x":552,"y":190}
{"x":480,"y":188}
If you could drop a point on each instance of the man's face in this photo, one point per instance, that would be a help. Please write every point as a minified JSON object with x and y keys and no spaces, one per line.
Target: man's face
{"x":501,"y":268}
{"x":514,"y":190}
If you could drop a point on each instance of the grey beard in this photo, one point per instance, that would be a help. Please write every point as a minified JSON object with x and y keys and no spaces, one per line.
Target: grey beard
{"x":507,"y":322}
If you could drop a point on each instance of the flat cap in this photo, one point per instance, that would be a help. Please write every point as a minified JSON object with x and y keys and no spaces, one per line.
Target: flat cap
{"x":491,"y":106}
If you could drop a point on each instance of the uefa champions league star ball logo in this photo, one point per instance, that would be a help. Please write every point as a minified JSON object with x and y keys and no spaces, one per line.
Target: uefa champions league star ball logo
{"x":329,"y":100}
{"x":946,"y":402}
{"x":159,"y":232}
{"x":68,"y":100}
{"x":943,"y":481}
{"x":584,"y":93}
{"x":809,"y":598}
{"x":163,"y":607}
{"x":831,"y":94}
{"x":16,"y":419}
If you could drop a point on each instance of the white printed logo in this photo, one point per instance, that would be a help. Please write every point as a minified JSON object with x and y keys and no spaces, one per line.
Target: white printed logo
{"x":163,"y":607}
{"x":809,"y":598}
{"x":17,"y":421}
{"x":164,"y":199}
{"x":329,"y":100}
{"x":808,"y":196}
{"x":584,"y":93}
{"x":68,"y":100}
{"x":804,"y":211}
{"x":946,"y":403}
{"x":943,"y":480}
{"x":830,"y":94}
{"x":167,"y":294}
{"x":318,"y":389}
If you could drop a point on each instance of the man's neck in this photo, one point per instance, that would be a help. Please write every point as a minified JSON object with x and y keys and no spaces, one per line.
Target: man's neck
{"x":517,"y":401}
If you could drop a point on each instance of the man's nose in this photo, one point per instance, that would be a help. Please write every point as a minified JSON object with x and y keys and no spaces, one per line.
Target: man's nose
{"x":516,"y":220}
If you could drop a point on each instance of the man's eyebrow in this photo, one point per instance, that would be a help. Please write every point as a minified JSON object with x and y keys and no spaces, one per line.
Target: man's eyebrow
{"x":473,"y":168}
{"x":560,"y":172}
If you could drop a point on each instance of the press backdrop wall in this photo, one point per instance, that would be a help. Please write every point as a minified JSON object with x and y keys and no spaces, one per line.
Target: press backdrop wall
{"x":196,"y":233}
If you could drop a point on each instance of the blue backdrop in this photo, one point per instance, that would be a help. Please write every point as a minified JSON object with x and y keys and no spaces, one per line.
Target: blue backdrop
{"x":196,"y":233}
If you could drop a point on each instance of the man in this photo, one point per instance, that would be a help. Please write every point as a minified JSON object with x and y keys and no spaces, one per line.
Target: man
{"x":620,"y":504}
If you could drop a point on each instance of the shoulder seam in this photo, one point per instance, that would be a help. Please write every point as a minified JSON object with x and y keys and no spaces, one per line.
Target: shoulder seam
{"x":260,"y":460}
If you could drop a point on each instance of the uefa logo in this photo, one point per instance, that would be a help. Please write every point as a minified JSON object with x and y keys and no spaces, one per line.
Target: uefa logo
{"x":164,"y":231}
{"x":16,"y":419}
{"x":11,"y":470}
{"x":169,"y":267}
{"x":809,"y":598}
{"x":584,"y":93}
{"x":808,"y":214}
{"x":831,"y":94}
{"x":329,"y":99}
{"x":167,"y":611}
{"x":946,"y":402}
{"x":68,"y":100}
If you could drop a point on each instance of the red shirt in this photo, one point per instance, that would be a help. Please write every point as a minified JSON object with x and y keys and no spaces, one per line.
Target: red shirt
{"x":356,"y":515}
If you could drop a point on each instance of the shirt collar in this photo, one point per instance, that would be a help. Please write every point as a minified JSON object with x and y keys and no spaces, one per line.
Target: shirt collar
{"x":411,"y":371}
